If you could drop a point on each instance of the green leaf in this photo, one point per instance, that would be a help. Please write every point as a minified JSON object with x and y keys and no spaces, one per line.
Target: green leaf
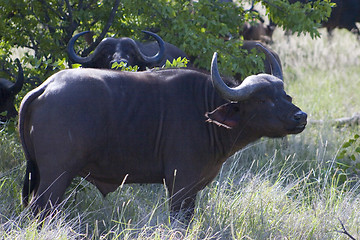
{"x":76,"y":65}
{"x":346,"y":145}
{"x":357,"y":149}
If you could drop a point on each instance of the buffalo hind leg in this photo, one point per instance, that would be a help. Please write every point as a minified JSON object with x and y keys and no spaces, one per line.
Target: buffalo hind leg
{"x":50,"y":193}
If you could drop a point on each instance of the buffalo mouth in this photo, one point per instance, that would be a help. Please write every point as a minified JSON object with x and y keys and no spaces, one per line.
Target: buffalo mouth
{"x":298,"y":129}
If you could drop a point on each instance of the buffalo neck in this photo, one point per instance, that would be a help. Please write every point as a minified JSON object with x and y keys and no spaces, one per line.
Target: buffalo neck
{"x":227,"y":141}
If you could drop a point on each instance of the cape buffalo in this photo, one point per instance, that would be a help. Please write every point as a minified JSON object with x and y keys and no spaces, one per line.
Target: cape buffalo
{"x":8,"y":91}
{"x":345,"y":14}
{"x":173,"y":125}
{"x":258,"y":31}
{"x":116,"y":50}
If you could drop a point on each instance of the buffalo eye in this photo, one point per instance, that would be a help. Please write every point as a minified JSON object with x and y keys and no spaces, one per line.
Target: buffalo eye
{"x":288,"y":98}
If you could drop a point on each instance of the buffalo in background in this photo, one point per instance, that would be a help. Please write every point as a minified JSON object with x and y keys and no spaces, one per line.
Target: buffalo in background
{"x":126,"y":50}
{"x":8,"y":91}
{"x":176,"y":126}
{"x":345,"y":14}
{"x":258,"y":30}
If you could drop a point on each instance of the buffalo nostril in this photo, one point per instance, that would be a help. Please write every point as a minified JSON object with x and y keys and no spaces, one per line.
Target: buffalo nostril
{"x":300,"y":116}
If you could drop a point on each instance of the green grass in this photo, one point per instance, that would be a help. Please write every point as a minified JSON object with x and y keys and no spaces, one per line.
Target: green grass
{"x":272,"y":189}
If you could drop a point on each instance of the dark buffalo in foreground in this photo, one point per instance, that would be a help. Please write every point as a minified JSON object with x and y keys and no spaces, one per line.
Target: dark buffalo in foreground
{"x":173,"y":125}
{"x":8,"y":91}
{"x":345,"y":15}
{"x":126,"y":50}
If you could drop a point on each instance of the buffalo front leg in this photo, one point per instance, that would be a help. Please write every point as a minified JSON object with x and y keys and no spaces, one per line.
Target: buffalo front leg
{"x":182,"y":206}
{"x":182,"y":193}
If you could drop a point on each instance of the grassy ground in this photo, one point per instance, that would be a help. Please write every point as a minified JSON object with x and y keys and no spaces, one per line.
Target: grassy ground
{"x":272,"y":189}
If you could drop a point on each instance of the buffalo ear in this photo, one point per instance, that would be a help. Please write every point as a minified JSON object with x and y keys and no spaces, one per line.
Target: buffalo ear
{"x":226,"y":115}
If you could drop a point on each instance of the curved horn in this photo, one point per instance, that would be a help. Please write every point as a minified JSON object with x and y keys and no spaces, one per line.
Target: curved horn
{"x":16,"y":87}
{"x":157,"y":57}
{"x":275,"y":66}
{"x":71,"y":52}
{"x":239,"y":93}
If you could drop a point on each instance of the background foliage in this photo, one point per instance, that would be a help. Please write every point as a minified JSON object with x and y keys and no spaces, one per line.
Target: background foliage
{"x":197,"y":27}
